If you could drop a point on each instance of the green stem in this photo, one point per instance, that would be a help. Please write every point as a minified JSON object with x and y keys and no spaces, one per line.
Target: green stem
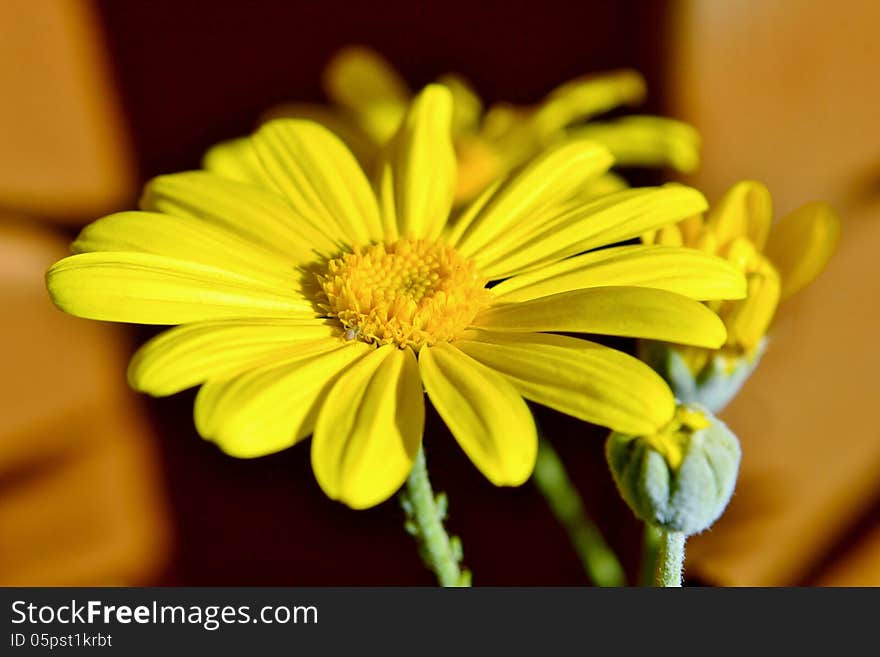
{"x":598,"y":559}
{"x":650,"y":549}
{"x":670,"y":559}
{"x":425,"y":515}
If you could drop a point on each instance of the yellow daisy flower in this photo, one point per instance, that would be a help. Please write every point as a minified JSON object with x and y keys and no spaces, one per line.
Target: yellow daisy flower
{"x":310,"y":302}
{"x":777,"y":262}
{"x":369,"y":99}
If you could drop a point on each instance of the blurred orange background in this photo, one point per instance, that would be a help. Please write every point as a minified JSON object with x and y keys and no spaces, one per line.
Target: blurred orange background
{"x":101,"y":486}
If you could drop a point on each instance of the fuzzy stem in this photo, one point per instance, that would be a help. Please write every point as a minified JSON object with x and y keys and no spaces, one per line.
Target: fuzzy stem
{"x":670,"y":559}
{"x":425,"y":514}
{"x":565,"y":502}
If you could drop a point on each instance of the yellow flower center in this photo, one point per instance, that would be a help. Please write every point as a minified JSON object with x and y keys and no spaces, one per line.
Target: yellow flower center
{"x":411,"y":292}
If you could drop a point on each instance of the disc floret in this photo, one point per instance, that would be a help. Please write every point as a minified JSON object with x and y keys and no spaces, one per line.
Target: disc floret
{"x":408,"y":292}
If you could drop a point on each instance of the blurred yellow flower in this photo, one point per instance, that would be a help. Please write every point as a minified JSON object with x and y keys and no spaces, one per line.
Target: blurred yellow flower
{"x":369,"y":99}
{"x":313,"y":303}
{"x":777,"y":261}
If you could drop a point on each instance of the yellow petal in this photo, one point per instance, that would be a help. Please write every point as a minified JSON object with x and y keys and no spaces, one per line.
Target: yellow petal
{"x":485,"y":413}
{"x":336,"y":121}
{"x":634,"y":312}
{"x":745,"y":210}
{"x":417,"y":170}
{"x":747,"y":321}
{"x":605,"y":221}
{"x":686,"y":232}
{"x":479,"y":165}
{"x":646,"y":141}
{"x":186,"y":239}
{"x":257,"y":214}
{"x":670,"y":236}
{"x":688,"y":272}
{"x":587,"y":96}
{"x":652,"y":237}
{"x":607,"y":183}
{"x":363,"y":82}
{"x":589,"y":381}
{"x":237,"y":160}
{"x":691,"y":229}
{"x":706,"y":241}
{"x":358,"y":76}
{"x":467,"y":108}
{"x":527,"y":199}
{"x":802,"y":244}
{"x":319,"y":177}
{"x":271,"y":407}
{"x":459,"y":222}
{"x":513,"y":135}
{"x":741,"y":253}
{"x":143,"y":288}
{"x":191,"y":354}
{"x":369,"y":428}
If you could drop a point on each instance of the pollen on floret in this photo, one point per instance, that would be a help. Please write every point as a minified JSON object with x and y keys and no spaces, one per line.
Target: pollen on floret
{"x":409,"y":292}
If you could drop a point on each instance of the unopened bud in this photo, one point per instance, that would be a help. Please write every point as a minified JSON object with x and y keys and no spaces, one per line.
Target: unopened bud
{"x":712,"y":382}
{"x":682,"y":477}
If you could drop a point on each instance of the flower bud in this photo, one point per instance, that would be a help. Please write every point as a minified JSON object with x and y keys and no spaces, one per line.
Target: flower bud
{"x":682,"y":477}
{"x":712,"y":380}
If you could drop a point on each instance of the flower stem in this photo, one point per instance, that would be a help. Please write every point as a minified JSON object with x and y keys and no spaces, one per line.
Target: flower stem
{"x":598,"y":559}
{"x":670,"y":559}
{"x":425,"y":514}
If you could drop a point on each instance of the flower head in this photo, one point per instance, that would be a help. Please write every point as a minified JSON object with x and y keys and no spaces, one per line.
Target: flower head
{"x":310,"y":302}
{"x":370,"y":99}
{"x":777,"y":262}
